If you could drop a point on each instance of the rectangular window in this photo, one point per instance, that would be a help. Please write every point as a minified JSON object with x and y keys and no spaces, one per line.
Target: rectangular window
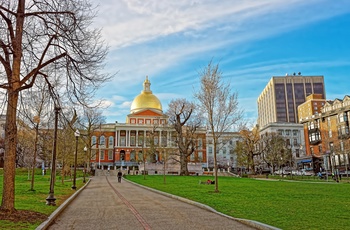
{"x":287,"y":142}
{"x":200,"y":156}
{"x":295,"y":142}
{"x":110,"y":142}
{"x":163,"y":141}
{"x":93,"y":154}
{"x":110,"y":154}
{"x":192,"y":157}
{"x":200,"y":143}
{"x":210,"y":150}
{"x":122,"y":141}
{"x":102,"y":155}
{"x":341,"y":146}
{"x":140,"y":142}
{"x":132,"y":140}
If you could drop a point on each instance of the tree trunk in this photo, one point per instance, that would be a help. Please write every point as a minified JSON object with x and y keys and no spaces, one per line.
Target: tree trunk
{"x":8,"y":196}
{"x":215,"y":166}
{"x":183,"y":165}
{"x":252,"y":162}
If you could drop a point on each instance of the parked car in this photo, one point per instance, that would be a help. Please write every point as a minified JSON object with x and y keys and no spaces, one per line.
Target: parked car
{"x":303,"y":172}
{"x":280,"y":172}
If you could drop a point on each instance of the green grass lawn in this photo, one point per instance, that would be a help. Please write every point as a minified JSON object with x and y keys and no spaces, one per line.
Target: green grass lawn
{"x":283,"y":204}
{"x":36,"y":200}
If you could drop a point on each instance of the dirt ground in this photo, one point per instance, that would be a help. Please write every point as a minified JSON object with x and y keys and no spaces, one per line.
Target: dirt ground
{"x":23,"y":216}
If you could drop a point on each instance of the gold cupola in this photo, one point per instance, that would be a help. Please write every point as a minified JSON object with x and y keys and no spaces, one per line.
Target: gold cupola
{"x":146,"y":99}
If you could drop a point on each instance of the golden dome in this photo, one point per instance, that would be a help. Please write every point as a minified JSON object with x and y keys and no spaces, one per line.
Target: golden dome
{"x":146,"y":99}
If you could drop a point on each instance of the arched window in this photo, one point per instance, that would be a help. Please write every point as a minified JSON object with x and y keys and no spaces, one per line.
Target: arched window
{"x":110,"y":142}
{"x":93,"y":140}
{"x":133,"y":155}
{"x":140,"y":156}
{"x":102,"y":140}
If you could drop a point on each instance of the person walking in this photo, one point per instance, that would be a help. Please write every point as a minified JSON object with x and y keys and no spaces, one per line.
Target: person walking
{"x":120,"y":174}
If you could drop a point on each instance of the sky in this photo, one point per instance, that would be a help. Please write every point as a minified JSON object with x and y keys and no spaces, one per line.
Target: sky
{"x":171,"y":42}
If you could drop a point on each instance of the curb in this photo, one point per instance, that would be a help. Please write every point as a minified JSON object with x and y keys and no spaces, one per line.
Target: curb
{"x":252,"y":223}
{"x":44,"y":225}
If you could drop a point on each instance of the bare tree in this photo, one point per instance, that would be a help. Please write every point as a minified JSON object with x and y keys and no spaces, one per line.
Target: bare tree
{"x":90,"y":122}
{"x":218,"y":105}
{"x":247,"y":148}
{"x":182,"y":117}
{"x":25,"y":147}
{"x":36,"y":36}
{"x":34,"y":106}
{"x":66,"y":142}
{"x":274,"y":150}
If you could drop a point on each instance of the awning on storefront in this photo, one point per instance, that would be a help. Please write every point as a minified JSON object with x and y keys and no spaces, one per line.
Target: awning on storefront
{"x":305,"y":161}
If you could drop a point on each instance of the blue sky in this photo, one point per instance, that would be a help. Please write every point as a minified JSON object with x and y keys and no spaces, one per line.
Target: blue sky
{"x":171,"y":41}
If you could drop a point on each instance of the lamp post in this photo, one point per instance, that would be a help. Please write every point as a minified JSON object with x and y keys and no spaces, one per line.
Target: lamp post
{"x":36,"y":121}
{"x":50,"y":200}
{"x":76,"y":134}
{"x":85,"y":150}
{"x":336,"y":178}
{"x":290,"y":151}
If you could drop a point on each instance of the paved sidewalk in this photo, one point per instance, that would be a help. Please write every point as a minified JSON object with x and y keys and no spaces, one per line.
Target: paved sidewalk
{"x":107,"y":204}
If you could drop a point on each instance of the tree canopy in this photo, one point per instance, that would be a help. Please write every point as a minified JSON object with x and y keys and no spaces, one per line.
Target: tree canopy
{"x":51,"y":40}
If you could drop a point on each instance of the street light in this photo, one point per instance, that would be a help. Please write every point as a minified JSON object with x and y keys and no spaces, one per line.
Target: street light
{"x":85,"y":150}
{"x":50,"y":200}
{"x":76,"y":134}
{"x":335,"y":168}
{"x":290,"y":151}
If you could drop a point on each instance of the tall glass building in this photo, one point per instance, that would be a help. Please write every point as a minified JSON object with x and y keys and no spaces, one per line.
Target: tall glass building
{"x":281,"y":97}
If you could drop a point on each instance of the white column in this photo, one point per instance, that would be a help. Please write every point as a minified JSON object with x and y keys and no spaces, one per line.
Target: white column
{"x":127,"y":138}
{"x":137,"y":138}
{"x":160,"y":138}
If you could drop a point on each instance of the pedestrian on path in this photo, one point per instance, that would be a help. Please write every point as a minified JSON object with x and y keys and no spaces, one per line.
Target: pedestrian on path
{"x":120,"y":174}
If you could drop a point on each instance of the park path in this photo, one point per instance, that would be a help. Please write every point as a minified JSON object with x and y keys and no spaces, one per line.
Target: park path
{"x":107,"y":204}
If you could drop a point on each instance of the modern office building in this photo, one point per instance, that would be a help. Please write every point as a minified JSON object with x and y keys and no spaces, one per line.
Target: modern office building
{"x":281,"y":97}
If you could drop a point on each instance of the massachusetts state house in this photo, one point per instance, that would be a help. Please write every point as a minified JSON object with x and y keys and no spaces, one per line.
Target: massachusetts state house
{"x":124,"y":145}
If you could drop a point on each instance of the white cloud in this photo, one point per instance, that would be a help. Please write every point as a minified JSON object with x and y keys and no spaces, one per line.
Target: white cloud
{"x":155,"y":36}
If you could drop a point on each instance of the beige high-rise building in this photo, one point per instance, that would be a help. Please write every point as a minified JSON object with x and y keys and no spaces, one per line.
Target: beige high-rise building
{"x":281,"y":97}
